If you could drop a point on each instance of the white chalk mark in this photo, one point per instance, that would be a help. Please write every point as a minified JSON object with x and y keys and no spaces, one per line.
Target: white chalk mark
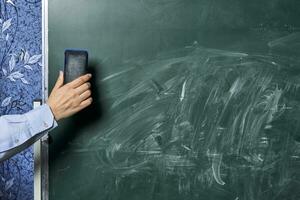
{"x":216,"y":164}
{"x":236,"y":87}
{"x":259,"y":157}
{"x":286,"y":40}
{"x":268,"y":126}
{"x":116,"y":74}
{"x":183,"y":91}
{"x":185,"y":147}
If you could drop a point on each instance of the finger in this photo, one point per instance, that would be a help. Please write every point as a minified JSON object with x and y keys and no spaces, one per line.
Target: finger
{"x":84,"y":87}
{"x":86,"y":103}
{"x":79,"y":81}
{"x":60,"y":80}
{"x":85,"y":95}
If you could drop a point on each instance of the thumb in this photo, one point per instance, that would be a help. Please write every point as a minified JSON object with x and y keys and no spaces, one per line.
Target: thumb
{"x":60,"y":80}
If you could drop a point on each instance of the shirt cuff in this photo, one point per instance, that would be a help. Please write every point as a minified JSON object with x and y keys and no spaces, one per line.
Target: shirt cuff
{"x":40,"y":120}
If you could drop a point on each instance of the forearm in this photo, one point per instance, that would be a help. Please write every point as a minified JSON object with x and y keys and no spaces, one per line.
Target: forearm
{"x":20,"y":131}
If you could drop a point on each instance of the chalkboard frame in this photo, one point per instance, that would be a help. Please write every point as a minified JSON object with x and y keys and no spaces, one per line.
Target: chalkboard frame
{"x":41,"y":174}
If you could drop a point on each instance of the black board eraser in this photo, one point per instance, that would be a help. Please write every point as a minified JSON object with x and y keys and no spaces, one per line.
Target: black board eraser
{"x":76,"y":62}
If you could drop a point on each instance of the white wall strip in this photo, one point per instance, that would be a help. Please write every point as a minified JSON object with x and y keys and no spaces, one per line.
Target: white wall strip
{"x":37,"y":163}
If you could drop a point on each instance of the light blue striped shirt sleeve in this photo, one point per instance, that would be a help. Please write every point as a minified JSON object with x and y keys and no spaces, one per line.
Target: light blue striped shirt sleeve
{"x":17,"y":132}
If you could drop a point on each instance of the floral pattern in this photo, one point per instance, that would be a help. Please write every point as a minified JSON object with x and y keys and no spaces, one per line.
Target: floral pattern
{"x":20,"y":83}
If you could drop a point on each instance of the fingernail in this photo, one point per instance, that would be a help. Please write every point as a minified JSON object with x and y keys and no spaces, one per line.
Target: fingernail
{"x":90,"y":75}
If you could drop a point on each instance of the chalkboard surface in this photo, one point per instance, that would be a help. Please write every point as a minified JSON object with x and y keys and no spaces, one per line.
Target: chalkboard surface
{"x":194,"y":99}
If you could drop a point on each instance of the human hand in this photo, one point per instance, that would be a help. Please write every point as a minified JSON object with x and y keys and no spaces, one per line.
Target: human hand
{"x":66,"y":100}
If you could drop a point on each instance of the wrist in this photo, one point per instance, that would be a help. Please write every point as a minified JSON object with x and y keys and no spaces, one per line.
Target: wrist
{"x":54,"y":113}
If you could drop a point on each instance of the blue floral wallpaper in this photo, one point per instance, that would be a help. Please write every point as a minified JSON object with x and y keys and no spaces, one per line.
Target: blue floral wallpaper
{"x":20,"y":83}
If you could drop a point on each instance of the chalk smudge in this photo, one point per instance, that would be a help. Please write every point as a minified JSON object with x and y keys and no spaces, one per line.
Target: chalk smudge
{"x":243,"y":107}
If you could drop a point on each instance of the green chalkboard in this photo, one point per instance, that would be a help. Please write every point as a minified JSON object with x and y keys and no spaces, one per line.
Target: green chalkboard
{"x":194,"y":99}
